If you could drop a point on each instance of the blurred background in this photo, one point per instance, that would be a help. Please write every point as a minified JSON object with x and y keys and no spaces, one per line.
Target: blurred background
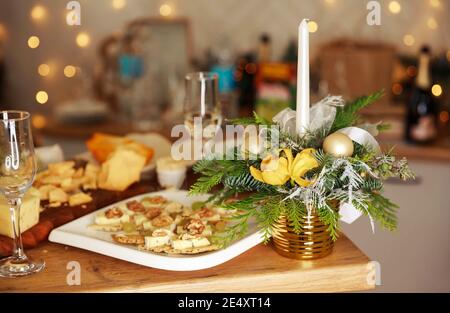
{"x":118,"y":66}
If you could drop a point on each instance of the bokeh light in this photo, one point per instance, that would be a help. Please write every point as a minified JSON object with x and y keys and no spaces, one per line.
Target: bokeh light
{"x":409,"y":40}
{"x":165,"y":10}
{"x":435,"y":3}
{"x":70,"y":71}
{"x":83,"y":39}
{"x":3,"y":32}
{"x":395,"y":7}
{"x":44,"y":69}
{"x":33,"y":42}
{"x":118,"y":4}
{"x":38,"y":12}
{"x":432,"y":23}
{"x":444,"y":117}
{"x":436,"y":90}
{"x":312,"y":26}
{"x":38,"y":121}
{"x":411,"y":71}
{"x":41,"y":97}
{"x":397,"y":89}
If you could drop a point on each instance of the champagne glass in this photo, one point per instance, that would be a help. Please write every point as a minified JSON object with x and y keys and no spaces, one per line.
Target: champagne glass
{"x":17,"y":172}
{"x":202,"y":112}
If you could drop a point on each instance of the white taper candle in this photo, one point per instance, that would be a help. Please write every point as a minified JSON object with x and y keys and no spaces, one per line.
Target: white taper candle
{"x":302,"y":121}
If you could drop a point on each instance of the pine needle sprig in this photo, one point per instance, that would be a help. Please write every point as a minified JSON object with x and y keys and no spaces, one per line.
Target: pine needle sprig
{"x":347,"y":115}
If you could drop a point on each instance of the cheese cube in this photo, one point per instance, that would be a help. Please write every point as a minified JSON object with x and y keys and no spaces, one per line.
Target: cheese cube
{"x":159,"y":238}
{"x":58,"y":195}
{"x":29,"y":213}
{"x":182,"y":244}
{"x":79,"y":198}
{"x":139,"y":219}
{"x":200,"y":242}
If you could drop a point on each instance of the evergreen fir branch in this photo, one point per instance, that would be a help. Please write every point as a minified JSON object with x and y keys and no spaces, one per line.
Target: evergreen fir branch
{"x":243,"y":182}
{"x":382,"y":210}
{"x":237,"y":230}
{"x":329,"y":217}
{"x":213,"y":171}
{"x":255,"y":120}
{"x":347,"y":115}
{"x":267,"y":214}
{"x":295,"y":212}
{"x":372,"y":184}
{"x":205,"y":183}
{"x":382,"y":127}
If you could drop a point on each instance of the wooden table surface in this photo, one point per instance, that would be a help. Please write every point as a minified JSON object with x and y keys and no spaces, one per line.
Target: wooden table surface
{"x":260,"y":269}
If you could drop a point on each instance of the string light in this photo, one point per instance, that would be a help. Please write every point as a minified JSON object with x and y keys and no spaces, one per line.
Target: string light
{"x":83,"y":39}
{"x":165,"y":10}
{"x":33,"y":42}
{"x":38,"y":13}
{"x":44,"y":69}
{"x":432,"y":23}
{"x":70,"y":71}
{"x":409,"y":40}
{"x":395,"y":7}
{"x":312,"y":26}
{"x":436,"y":90}
{"x":118,"y":4}
{"x":41,"y":97}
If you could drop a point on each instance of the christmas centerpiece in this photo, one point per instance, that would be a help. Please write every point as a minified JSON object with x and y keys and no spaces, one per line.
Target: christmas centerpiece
{"x":303,"y":172}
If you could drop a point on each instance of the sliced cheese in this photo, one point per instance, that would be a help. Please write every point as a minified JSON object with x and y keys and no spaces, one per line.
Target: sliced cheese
{"x":79,"y":198}
{"x":29,"y":213}
{"x":159,"y":237}
{"x":122,"y":169}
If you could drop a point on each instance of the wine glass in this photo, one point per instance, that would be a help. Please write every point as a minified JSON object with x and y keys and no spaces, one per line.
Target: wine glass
{"x":17,"y":172}
{"x":202,"y":112}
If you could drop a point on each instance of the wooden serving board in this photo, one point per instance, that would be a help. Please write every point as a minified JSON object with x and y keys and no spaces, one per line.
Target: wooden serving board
{"x":51,"y":218}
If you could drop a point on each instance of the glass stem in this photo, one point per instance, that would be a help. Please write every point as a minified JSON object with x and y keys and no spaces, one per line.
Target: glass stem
{"x":14,"y":205}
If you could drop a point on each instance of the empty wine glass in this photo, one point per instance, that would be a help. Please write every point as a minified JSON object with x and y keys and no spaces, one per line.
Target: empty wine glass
{"x":17,"y":172}
{"x":202,"y":111}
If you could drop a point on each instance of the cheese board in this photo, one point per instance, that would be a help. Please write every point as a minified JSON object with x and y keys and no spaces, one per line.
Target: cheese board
{"x":78,"y":234}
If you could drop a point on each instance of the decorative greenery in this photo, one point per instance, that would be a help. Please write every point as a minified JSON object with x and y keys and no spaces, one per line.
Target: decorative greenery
{"x":348,"y":115}
{"x":356,"y":180}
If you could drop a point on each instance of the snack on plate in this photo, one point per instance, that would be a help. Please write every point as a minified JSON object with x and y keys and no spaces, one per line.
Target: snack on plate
{"x":63,"y":183}
{"x":102,"y":146}
{"x":122,"y":169}
{"x":159,"y":225}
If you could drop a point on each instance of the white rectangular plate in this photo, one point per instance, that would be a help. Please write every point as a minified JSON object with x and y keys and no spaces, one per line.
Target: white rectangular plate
{"x":77,"y":234}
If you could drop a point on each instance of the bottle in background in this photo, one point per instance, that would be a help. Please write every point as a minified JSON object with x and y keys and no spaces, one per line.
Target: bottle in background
{"x":421,"y":123}
{"x":264,"y":48}
{"x":224,"y":67}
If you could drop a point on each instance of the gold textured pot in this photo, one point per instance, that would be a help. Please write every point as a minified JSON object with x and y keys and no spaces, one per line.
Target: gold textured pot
{"x":312,"y":242}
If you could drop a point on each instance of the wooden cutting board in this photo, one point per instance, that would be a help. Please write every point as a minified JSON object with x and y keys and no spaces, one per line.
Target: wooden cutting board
{"x":53,"y":217}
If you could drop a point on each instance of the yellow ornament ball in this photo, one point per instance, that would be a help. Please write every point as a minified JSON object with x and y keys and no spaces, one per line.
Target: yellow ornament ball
{"x":338,"y":144}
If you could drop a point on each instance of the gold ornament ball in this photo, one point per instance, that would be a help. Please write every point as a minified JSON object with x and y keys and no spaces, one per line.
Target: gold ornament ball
{"x":338,"y":144}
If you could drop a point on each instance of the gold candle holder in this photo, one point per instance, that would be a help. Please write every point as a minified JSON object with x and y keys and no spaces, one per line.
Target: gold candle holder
{"x":312,"y":242}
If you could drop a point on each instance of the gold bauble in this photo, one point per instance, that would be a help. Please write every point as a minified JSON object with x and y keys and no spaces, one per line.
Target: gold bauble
{"x":338,"y":144}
